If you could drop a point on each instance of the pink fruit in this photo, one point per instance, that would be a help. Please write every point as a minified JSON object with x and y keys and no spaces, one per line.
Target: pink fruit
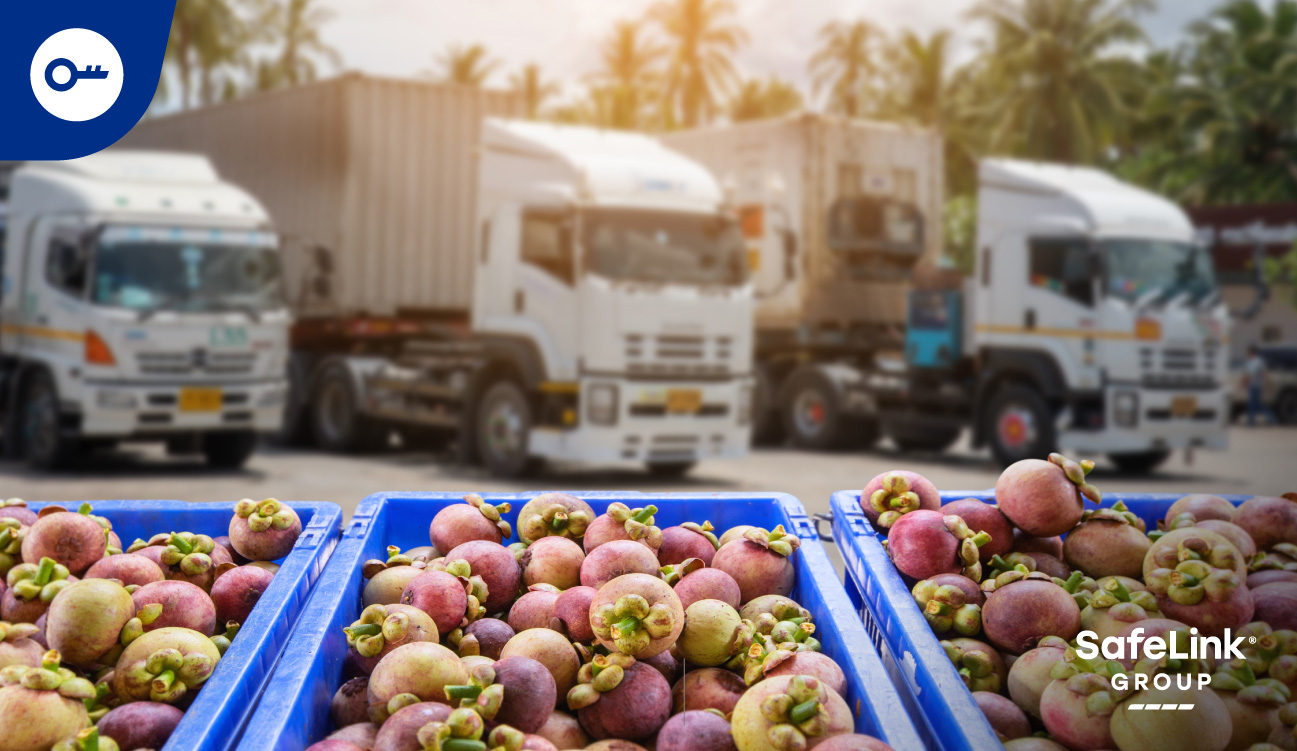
{"x":707,"y":688}
{"x":621,"y":522}
{"x":183,"y":604}
{"x":362,"y":734}
{"x":614,"y":559}
{"x":17,"y":647}
{"x":422,"y":668}
{"x":529,"y":693}
{"x":1079,"y":724}
{"x":1276,"y":605}
{"x":497,"y":567}
{"x":853,"y":742}
{"x":333,"y":744}
{"x":708,"y":584}
{"x":554,"y":514}
{"x":1005,"y":717}
{"x":984,"y":517}
{"x":439,"y":594}
{"x":534,"y":609}
{"x":1202,"y":506}
{"x":381,"y":629}
{"x":237,"y":591}
{"x":1025,"y":543}
{"x":1270,"y":576}
{"x":474,"y":520}
{"x":1030,"y":673}
{"x":757,"y":715}
{"x":45,"y":708}
{"x":1270,"y":521}
{"x":16,"y":508}
{"x":1195,"y":575}
{"x":386,"y":585}
{"x":74,"y":540}
{"x":643,"y":610}
{"x":895,"y":493}
{"x":759,"y":562}
{"x":551,"y":649}
{"x":695,"y":731}
{"x":552,"y":560}
{"x":564,"y":731}
{"x":401,"y":731}
{"x":126,"y":568}
{"x":265,"y":530}
{"x":1045,"y":498}
{"x":350,"y":704}
{"x":1019,"y":614}
{"x":142,"y":672}
{"x":1049,"y":565}
{"x":572,"y":609}
{"x":924,"y":544}
{"x":814,"y":664}
{"x":689,"y":540}
{"x":635,"y":709}
{"x":1107,"y":542}
{"x":85,"y":621}
{"x":1236,"y":535}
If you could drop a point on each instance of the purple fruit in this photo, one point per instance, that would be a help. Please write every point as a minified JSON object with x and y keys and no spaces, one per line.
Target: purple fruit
{"x":643,"y":610}
{"x":1045,"y":498}
{"x":350,"y":704}
{"x":537,"y":743}
{"x":666,"y":664}
{"x":1049,"y":565}
{"x":892,"y":494}
{"x":1236,"y":535}
{"x":1107,"y":542}
{"x":1025,"y":543}
{"x":815,"y":664}
{"x":1202,"y":507}
{"x":1030,"y":674}
{"x":1198,"y":578}
{"x":31,"y":587}
{"x":85,"y":621}
{"x":552,"y":560}
{"x":764,"y":722}
{"x":707,"y":688}
{"x":141,"y":724}
{"x":572,"y":609}
{"x":554,"y":515}
{"x":146,"y":670}
{"x":401,"y":731}
{"x":17,"y":647}
{"x":183,"y":604}
{"x":1073,"y":717}
{"x":127,"y":568}
{"x":984,"y":517}
{"x":689,"y":540}
{"x":852,"y":742}
{"x":333,"y":744}
{"x":759,"y":562}
{"x":564,"y":731}
{"x":614,"y":559}
{"x":474,"y":520}
{"x":42,"y":706}
{"x":383,"y":628}
{"x":224,"y":542}
{"x":708,"y":584}
{"x":529,"y":693}
{"x":1270,"y":521}
{"x":439,"y":594}
{"x":237,"y":591}
{"x":1269,"y":576}
{"x":497,"y":567}
{"x":423,"y":669}
{"x":1276,"y":605}
{"x":924,"y":544}
{"x":1112,"y":607}
{"x":491,"y":634}
{"x":551,"y":649}
{"x":534,"y":609}
{"x":621,"y":522}
{"x":695,"y":731}
{"x":264,"y":531}
{"x":1005,"y":717}
{"x":361,"y":734}
{"x":74,"y":540}
{"x":634,"y":709}
{"x":16,"y":508}
{"x":1019,"y":614}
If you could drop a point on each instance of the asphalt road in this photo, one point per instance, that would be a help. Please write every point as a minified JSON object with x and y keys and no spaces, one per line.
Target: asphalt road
{"x":1260,"y":460}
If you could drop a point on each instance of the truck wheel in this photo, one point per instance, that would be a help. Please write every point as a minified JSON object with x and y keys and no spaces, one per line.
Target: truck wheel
{"x":670,"y":469}
{"x":767,"y":426}
{"x":812,"y":416}
{"x":336,"y":422}
{"x":925,"y":439}
{"x":43,"y":444}
{"x":1285,"y":407}
{"x":1020,"y":425}
{"x":229,"y":450}
{"x":504,"y":421}
{"x":1141,"y":462}
{"x":295,"y":430}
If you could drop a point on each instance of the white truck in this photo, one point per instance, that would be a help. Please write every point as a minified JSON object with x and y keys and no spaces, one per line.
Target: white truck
{"x":1092,"y":322}
{"x":142,"y":300}
{"x":529,"y":291}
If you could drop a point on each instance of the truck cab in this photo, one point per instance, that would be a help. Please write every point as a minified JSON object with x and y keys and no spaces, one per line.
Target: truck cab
{"x":1095,"y":318}
{"x":612,"y":274}
{"x":142,"y":300}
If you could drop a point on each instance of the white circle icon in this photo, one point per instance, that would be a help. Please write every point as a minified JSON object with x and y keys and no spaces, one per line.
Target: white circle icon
{"x":77,"y":75}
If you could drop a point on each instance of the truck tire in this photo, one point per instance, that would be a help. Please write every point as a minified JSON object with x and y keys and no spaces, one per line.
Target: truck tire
{"x":229,"y":450}
{"x":930,"y":439}
{"x":336,"y":422}
{"x":43,"y":443}
{"x":670,"y":469}
{"x":767,"y":423}
{"x":1285,"y":407}
{"x":811,"y":413}
{"x":296,"y":429}
{"x":1141,"y":462}
{"x":1020,"y":425}
{"x":504,"y":422}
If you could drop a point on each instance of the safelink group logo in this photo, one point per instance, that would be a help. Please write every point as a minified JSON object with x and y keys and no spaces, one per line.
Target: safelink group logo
{"x":76,"y":75}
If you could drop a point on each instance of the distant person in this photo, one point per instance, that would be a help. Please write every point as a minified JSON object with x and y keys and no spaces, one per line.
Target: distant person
{"x":1255,"y":378}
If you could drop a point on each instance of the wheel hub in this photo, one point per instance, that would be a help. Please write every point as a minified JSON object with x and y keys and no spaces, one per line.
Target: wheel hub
{"x":1016,"y":427}
{"x":809,"y":412}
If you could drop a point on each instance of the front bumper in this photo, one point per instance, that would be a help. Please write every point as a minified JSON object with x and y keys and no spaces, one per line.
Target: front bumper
{"x":645,"y":431}
{"x":1164,"y":420}
{"x":121,"y":410}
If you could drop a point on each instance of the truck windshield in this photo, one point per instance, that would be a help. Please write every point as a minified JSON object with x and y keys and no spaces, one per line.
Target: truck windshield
{"x":1157,"y":270}
{"x":206,"y":271}
{"x":665,"y":247}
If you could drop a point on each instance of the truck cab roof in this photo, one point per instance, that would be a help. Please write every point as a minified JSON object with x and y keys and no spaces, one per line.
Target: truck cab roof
{"x":134,"y":186}
{"x":1102,"y":203}
{"x":611,"y":167}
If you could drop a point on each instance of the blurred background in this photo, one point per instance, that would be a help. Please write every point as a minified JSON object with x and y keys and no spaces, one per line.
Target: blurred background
{"x":667,"y":244}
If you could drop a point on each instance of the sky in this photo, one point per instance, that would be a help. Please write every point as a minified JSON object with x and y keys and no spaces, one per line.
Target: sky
{"x":403,"y":37}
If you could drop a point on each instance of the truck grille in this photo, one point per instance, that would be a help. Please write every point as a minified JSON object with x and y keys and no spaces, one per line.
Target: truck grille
{"x":1177,"y":368}
{"x":674,"y":354}
{"x":195,"y":362}
{"x":1179,"y":359}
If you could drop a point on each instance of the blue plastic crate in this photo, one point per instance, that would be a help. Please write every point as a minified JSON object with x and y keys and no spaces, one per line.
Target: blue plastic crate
{"x":223,"y":705}
{"x":943,"y":710}
{"x":295,"y":709}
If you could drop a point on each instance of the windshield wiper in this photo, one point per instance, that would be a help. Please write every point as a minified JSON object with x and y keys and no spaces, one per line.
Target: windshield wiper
{"x":238,"y":307}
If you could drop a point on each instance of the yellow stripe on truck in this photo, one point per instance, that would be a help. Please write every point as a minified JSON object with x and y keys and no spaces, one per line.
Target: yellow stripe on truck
{"x":986,"y":328}
{"x":43,"y":332}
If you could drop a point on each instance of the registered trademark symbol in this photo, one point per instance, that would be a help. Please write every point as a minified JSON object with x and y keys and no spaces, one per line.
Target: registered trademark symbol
{"x":1251,"y":640}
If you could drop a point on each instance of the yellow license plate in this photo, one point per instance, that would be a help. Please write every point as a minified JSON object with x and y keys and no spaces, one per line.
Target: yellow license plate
{"x":200,"y":400}
{"x":684,"y":400}
{"x":1184,"y":406}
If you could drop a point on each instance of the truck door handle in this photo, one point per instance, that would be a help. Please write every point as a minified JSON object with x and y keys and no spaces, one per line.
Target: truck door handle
{"x":1029,"y":319}
{"x":519,"y":301}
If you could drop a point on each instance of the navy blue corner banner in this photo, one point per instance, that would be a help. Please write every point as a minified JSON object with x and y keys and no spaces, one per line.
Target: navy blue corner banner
{"x":76,"y":75}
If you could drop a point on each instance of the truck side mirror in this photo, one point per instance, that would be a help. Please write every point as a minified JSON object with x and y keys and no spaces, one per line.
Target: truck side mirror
{"x":790,"y":253}
{"x":323,"y":259}
{"x":1096,"y":266}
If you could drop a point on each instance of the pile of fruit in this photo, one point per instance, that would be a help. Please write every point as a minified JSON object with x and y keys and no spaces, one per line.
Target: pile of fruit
{"x":594,"y":631}
{"x":1009,"y":587}
{"x":102,"y":648}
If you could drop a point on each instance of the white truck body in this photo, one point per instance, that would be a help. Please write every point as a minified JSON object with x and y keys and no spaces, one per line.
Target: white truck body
{"x":148,"y":292}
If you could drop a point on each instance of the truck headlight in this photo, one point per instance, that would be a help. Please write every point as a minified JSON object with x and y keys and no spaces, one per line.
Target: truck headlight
{"x":601,"y":404}
{"x":743,"y":410}
{"x":1125,"y":409}
{"x":113,"y":399}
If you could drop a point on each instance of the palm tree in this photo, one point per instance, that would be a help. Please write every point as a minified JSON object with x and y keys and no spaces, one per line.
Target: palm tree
{"x":918,"y":91}
{"x":628,"y":76}
{"x":466,"y":66}
{"x":206,"y":37}
{"x":757,"y":100}
{"x":845,"y":60}
{"x":1063,"y":91}
{"x":701,"y":65}
{"x":297,"y":27}
{"x":533,"y":88}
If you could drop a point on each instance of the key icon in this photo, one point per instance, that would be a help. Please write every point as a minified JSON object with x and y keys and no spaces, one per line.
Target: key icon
{"x":73,"y":74}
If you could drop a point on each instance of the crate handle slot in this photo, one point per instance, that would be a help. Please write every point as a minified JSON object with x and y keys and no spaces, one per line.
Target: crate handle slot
{"x":358,"y":526}
{"x":827,"y":519}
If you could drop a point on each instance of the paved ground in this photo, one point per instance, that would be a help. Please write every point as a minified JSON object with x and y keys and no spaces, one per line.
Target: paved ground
{"x":1262,"y":460}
